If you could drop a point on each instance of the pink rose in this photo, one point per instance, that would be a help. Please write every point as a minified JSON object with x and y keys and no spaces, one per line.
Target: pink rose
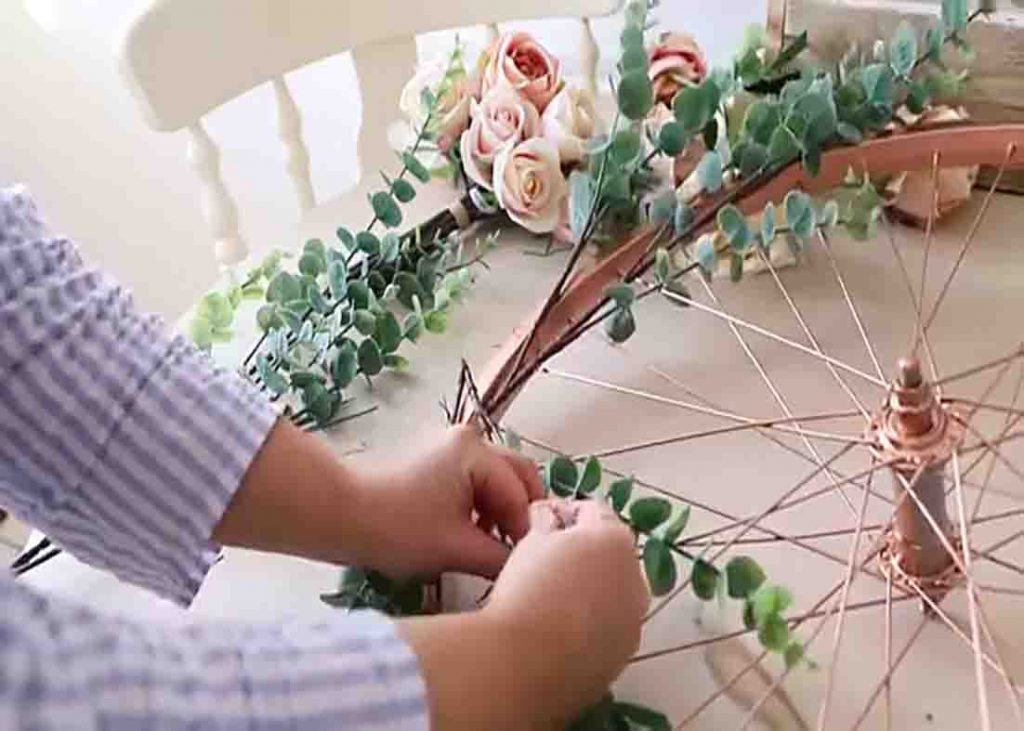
{"x":676,"y":61}
{"x":518,"y":61}
{"x":568,"y":122}
{"x":501,"y":119}
{"x":529,"y":185}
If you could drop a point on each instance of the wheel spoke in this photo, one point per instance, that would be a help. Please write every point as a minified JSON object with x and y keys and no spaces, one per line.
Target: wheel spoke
{"x":773,"y":336}
{"x":929,"y":236}
{"x":834,"y":263}
{"x":981,"y":368}
{"x":887,"y":679}
{"x":810,"y":335}
{"x":1010,"y":150}
{"x":885,"y":682}
{"x":965,"y":539}
{"x":844,"y":600}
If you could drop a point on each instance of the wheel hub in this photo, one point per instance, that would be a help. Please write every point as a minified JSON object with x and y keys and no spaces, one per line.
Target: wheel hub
{"x":917,"y":434}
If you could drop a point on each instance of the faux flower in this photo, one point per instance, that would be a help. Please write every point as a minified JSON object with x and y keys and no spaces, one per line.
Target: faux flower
{"x":529,"y":185}
{"x":568,"y":121}
{"x":451,"y":112}
{"x":676,"y":61}
{"x":520,"y":62}
{"x":502,"y":119}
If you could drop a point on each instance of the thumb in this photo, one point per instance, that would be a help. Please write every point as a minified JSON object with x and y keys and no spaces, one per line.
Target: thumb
{"x":479,"y":553}
{"x":548,"y":516}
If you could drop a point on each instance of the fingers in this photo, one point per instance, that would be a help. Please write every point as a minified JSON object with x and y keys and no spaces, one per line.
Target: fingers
{"x":477,"y":553}
{"x":544,"y":518}
{"x":498,"y":495}
{"x":526,"y":469}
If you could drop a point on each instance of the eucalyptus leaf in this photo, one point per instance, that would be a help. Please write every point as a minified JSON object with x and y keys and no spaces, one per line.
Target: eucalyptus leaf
{"x":369,"y":356}
{"x":707,"y":256}
{"x":345,"y":364}
{"x":770,"y":600}
{"x":359,"y":294}
{"x":677,"y":525}
{"x":390,"y":247}
{"x":625,"y":146}
{"x":659,"y":566}
{"x":799,"y":213}
{"x":621,"y":293}
{"x":735,"y":267}
{"x":672,"y":138}
{"x":645,"y":718}
{"x":403,"y":190}
{"x":774,"y":633}
{"x":435,"y":321}
{"x":561,"y":476}
{"x":412,"y":327}
{"x":903,"y":49}
{"x":582,"y":193}
{"x":849,"y":133}
{"x":733,"y":224}
{"x":364,"y":322}
{"x":635,"y":94}
{"x":619,"y":493}
{"x":743,"y":577}
{"x":368,"y":243}
{"x":662,"y":265}
{"x":647,"y":513}
{"x":621,"y":325}
{"x":414,"y":166}
{"x":590,"y":478}
{"x":284,"y":287}
{"x":682,"y":220}
{"x":704,"y":578}
{"x":709,"y":172}
{"x":387,"y":333}
{"x":783,"y":147}
{"x":793,"y":654}
{"x":768,"y":224}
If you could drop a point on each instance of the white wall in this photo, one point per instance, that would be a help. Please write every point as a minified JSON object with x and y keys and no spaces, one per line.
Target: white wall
{"x":70,"y":131}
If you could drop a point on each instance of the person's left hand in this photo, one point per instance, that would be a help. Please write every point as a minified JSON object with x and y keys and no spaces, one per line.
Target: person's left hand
{"x":438,"y":511}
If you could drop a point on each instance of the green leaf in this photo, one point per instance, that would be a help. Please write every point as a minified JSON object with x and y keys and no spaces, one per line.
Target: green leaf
{"x":267,"y":317}
{"x":790,"y":51}
{"x":625,"y":147}
{"x":403,"y":190}
{"x":749,"y":621}
{"x":390,"y":247}
{"x":709,"y":134}
{"x":675,"y":528}
{"x":201,"y":332}
{"x":632,"y":36}
{"x":774,"y":633}
{"x":414,"y":166}
{"x":799,"y":213}
{"x":621,"y":325}
{"x":707,"y":257}
{"x":672,"y":139}
{"x":933,"y":39}
{"x":634,"y":57}
{"x":388,"y":332}
{"x":435,"y":321}
{"x":619,"y":493}
{"x":783,"y":147}
{"x":359,"y":294}
{"x":693,"y":106}
{"x":733,"y":224}
{"x":849,"y":133}
{"x":709,"y":172}
{"x":917,"y":96}
{"x":284,"y":287}
{"x":412,"y":327}
{"x":878,"y":83}
{"x":794,"y":654}
{"x":760,"y":121}
{"x":561,"y":476}
{"x":370,"y":361}
{"x":396,"y":361}
{"x":753,"y":159}
{"x":364,"y":322}
{"x":768,"y":224}
{"x":386,"y":209}
{"x":590,"y":478}
{"x":954,"y":15}
{"x":217,"y":309}
{"x":683,"y":219}
{"x":642,"y":716}
{"x":704,"y":578}
{"x":819,"y":113}
{"x":345,"y":365}
{"x":768,"y":601}
{"x":621,"y":293}
{"x":812,"y":159}
{"x":273,"y":380}
{"x":345,"y":237}
{"x":310,"y":264}
{"x":635,"y":95}
{"x":735,"y":267}
{"x":659,"y":566}
{"x":647,"y":513}
{"x":662,"y":266}
{"x":863,"y":211}
{"x":743,"y":576}
{"x":337,"y":279}
{"x":368,"y":243}
{"x":317,"y":301}
{"x":903,"y":49}
{"x":581,"y":196}
{"x":662,"y":208}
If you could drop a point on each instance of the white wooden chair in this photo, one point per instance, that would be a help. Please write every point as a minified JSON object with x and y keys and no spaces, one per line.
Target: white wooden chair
{"x":184,"y":58}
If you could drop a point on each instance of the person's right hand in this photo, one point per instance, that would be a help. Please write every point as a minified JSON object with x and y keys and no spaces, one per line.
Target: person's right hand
{"x":575,"y":598}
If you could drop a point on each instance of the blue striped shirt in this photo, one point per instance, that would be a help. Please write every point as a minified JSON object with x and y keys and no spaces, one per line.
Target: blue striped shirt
{"x":125,"y":446}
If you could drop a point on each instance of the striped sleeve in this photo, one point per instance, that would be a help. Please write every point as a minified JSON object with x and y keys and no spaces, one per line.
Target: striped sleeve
{"x":124,"y":445}
{"x":63,"y":667}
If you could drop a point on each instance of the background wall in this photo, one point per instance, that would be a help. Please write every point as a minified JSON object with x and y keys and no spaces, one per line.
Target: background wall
{"x":71,"y":132}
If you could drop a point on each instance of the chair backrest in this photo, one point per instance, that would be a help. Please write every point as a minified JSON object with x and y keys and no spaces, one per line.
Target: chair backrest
{"x":184,"y":58}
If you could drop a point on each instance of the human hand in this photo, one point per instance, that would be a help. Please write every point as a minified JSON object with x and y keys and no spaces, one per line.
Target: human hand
{"x":574,"y":599}
{"x":421,"y":512}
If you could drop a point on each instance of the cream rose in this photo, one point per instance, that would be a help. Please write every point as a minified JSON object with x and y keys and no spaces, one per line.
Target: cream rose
{"x":501,"y":119}
{"x":676,"y":61}
{"x":451,"y":113}
{"x":568,"y":121}
{"x":517,"y":60}
{"x":529,"y":185}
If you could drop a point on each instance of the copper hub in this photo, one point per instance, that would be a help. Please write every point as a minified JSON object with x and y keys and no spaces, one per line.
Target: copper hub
{"x":917,"y":433}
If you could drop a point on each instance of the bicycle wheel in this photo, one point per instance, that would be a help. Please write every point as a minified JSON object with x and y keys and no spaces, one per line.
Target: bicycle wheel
{"x":853,"y":423}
